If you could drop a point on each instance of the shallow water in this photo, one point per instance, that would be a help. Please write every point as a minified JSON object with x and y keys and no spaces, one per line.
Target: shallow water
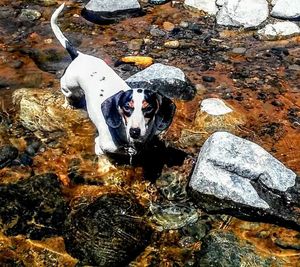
{"x":260,"y":86}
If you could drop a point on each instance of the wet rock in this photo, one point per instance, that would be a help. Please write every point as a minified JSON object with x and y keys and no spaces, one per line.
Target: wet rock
{"x":286,"y":9}
{"x":224,"y":249}
{"x":110,"y":231}
{"x":30,"y":15}
{"x":239,"y":50}
{"x":33,"y":207}
{"x":207,"y":6}
{"x":156,"y":31}
{"x":240,"y":178}
{"x":43,"y":110}
{"x":48,"y":2}
{"x":50,"y":60}
{"x":208,"y":79}
{"x":215,"y":106}
{"x":168,"y":80}
{"x":20,"y":251}
{"x":168,"y":26}
{"x":158,"y":2}
{"x":166,"y":216}
{"x":245,"y":13}
{"x":109,"y":11}
{"x":279,"y":30}
{"x":172,"y":185}
{"x":172,"y":44}
{"x":213,"y":115}
{"x":135,"y":44}
{"x":7,"y":155}
{"x":25,"y":159}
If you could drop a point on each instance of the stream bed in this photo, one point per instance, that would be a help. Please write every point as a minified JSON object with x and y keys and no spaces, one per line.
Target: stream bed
{"x":61,"y":205}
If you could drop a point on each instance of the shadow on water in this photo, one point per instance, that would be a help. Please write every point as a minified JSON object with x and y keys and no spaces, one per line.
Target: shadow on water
{"x":152,"y":158}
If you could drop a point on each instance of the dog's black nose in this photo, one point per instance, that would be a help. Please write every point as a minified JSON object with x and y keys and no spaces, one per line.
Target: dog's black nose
{"x":135,"y":132}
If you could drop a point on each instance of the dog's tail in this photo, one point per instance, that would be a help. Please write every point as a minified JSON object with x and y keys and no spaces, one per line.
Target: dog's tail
{"x":59,"y":35}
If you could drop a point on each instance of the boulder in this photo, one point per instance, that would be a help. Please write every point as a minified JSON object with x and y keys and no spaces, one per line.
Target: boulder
{"x":279,"y":30}
{"x":238,"y":177}
{"x":108,"y":11}
{"x":286,"y":9}
{"x":168,"y":80}
{"x":224,"y":249}
{"x":207,"y":6}
{"x":110,"y":231}
{"x":33,"y":207}
{"x":43,"y":110}
{"x":7,"y":154}
{"x":243,"y":13}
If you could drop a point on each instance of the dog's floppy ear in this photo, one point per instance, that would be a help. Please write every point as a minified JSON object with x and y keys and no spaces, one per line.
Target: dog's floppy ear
{"x":110,"y":110}
{"x":165,"y":113}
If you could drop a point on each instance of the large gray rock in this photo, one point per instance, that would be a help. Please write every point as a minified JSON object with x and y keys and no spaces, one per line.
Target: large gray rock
{"x":207,"y":6}
{"x":245,"y":13}
{"x":279,"y":30}
{"x":168,"y":80}
{"x":287,"y":9}
{"x":242,"y":178}
{"x":107,"y":11}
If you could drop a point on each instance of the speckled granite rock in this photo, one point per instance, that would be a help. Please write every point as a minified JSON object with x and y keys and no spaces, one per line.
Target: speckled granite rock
{"x":108,"y":11}
{"x":168,"y":80}
{"x":241,"y":178}
{"x":245,"y":13}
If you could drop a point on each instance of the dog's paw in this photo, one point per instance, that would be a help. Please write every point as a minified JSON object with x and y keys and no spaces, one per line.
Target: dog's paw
{"x":98,"y":150}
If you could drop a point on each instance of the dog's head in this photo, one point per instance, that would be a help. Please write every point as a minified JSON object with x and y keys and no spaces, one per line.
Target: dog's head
{"x":140,"y":113}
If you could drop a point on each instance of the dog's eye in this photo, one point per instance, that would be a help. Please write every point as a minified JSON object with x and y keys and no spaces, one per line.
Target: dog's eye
{"x":148,"y":111}
{"x":128,"y":107}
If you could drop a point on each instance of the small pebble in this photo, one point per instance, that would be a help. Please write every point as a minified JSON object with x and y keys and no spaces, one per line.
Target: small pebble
{"x":172,"y":44}
{"x":155,"y":31}
{"x":184,"y":24}
{"x":168,"y":26}
{"x":25,"y":159}
{"x":277,"y":103}
{"x":239,"y":50}
{"x":208,"y":79}
{"x":135,"y":44}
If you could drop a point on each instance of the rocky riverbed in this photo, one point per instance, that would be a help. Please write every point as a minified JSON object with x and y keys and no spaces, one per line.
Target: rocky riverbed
{"x":219,"y":188}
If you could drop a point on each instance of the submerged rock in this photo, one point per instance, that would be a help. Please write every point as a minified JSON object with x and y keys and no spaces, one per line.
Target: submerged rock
{"x":286,"y":9}
{"x":34,"y":207}
{"x":279,"y":30}
{"x":168,"y":216}
{"x":245,"y":13}
{"x":7,"y":155}
{"x":20,"y":251}
{"x":168,"y":80}
{"x":30,"y":14}
{"x":110,"y":231}
{"x":158,"y":2}
{"x":108,"y":11}
{"x":207,"y":6}
{"x":240,"y":178}
{"x":43,"y":110}
{"x":224,"y":249}
{"x":213,"y":115}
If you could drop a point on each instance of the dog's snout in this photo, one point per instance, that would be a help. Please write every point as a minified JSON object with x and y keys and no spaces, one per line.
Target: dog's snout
{"x":135,"y":133}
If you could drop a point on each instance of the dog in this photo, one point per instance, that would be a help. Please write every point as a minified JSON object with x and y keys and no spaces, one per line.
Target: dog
{"x":126,"y":118}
